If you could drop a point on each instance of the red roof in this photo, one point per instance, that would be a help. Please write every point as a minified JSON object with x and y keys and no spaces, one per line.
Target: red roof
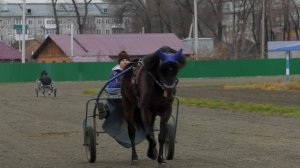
{"x":7,"y":52}
{"x":91,"y":45}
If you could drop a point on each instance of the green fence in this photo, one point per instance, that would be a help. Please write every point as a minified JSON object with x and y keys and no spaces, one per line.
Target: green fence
{"x":18,"y":72}
{"x":235,"y":68}
{"x":28,"y":72}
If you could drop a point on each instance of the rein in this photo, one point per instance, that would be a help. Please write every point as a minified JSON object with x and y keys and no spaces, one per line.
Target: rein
{"x":162,"y":85}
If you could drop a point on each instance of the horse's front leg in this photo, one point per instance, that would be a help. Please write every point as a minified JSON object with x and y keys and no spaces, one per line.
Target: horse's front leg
{"x":131,"y":133}
{"x":152,"y":151}
{"x":161,"y":140}
{"x":128,"y":112}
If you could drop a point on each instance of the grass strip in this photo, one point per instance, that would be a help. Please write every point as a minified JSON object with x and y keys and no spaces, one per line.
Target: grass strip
{"x":91,"y":91}
{"x":266,"y":108}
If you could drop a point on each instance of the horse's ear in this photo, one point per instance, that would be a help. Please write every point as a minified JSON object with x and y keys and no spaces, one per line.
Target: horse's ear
{"x":178,"y":54}
{"x":180,"y":58}
{"x":161,"y":55}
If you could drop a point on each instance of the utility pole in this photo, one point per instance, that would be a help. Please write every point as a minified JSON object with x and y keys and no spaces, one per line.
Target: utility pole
{"x":195,"y":28}
{"x":72,"y":41}
{"x":23,"y":31}
{"x":263,"y":29}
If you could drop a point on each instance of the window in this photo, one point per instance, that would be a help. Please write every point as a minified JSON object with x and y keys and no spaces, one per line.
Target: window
{"x":50,"y":31}
{"x":98,"y":31}
{"x":50,"y":21}
{"x":40,"y":22}
{"x":18,"y":21}
{"x":98,"y":21}
{"x":107,"y":31}
{"x":30,"y":22}
{"x":10,"y":32}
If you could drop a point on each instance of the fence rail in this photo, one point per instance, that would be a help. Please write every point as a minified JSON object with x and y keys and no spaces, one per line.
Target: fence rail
{"x":28,"y":72}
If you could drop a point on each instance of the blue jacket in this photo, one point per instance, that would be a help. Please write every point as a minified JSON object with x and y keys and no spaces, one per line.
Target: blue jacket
{"x":116,"y":83}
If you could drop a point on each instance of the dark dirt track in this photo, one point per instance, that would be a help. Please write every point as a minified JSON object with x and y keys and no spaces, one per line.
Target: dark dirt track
{"x":47,"y":132}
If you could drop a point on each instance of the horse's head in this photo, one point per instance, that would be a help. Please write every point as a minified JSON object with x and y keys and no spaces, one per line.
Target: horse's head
{"x":165,"y":65}
{"x":169,"y":67}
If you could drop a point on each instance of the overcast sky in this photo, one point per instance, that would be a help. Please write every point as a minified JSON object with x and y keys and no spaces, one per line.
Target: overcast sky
{"x":44,"y":1}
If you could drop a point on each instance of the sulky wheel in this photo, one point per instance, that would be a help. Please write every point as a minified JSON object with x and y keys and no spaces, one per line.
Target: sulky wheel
{"x":170,"y":143}
{"x":90,"y":144}
{"x":37,"y":92}
{"x":54,"y":92}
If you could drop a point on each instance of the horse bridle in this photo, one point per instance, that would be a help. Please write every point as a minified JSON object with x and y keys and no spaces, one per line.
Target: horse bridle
{"x":162,"y":85}
{"x":166,"y":88}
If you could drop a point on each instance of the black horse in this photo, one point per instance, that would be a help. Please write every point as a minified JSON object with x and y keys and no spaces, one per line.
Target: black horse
{"x":147,"y":91}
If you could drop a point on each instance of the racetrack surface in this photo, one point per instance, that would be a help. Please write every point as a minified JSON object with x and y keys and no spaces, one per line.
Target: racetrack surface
{"x":46,"y":131}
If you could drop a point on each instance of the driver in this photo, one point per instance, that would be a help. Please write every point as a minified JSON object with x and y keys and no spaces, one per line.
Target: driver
{"x":114,"y":86}
{"x":45,"y":79}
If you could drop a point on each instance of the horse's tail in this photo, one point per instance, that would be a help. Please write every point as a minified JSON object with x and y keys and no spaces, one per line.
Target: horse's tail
{"x":138,"y":119}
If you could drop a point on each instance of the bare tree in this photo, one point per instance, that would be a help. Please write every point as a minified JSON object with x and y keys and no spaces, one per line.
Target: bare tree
{"x":214,"y":22}
{"x":243,"y":36}
{"x":157,"y":15}
{"x":139,"y":10}
{"x":241,"y":16}
{"x":81,"y":20}
{"x":286,"y":23}
{"x":295,"y":20}
{"x":256,"y":13}
{"x":184,"y":21}
{"x":54,"y":2}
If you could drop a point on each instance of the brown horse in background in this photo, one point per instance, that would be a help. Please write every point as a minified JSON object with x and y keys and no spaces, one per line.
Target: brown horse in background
{"x":147,"y":91}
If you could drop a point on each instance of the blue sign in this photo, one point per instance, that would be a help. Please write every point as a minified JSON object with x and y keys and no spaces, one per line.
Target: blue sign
{"x":18,"y":28}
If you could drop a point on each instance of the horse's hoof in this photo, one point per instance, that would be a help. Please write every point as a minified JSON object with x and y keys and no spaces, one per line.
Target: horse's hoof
{"x":134,"y":162}
{"x":152,"y":153}
{"x":134,"y":158}
{"x":161,"y":160}
{"x":163,"y":165}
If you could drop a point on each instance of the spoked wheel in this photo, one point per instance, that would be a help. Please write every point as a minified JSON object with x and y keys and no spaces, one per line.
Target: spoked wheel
{"x":170,"y":143}
{"x":37,"y":92}
{"x":90,"y":144}
{"x":54,"y":92}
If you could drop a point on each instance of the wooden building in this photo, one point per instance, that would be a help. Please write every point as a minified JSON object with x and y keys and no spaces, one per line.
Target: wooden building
{"x":104,"y":48}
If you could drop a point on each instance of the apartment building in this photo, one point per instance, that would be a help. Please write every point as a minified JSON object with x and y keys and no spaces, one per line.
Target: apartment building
{"x":40,"y":21}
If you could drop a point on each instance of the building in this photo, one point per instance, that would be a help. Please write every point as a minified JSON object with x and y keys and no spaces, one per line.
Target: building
{"x":104,"y":48}
{"x":40,"y":21}
{"x":9,"y":54}
{"x":205,"y":47}
{"x":31,"y":47}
